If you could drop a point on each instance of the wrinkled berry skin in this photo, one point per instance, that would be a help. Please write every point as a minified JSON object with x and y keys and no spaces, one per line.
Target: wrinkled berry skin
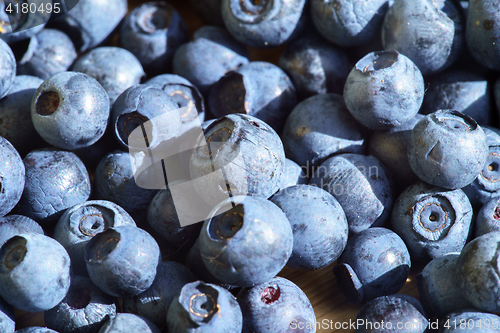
{"x":262,"y":154}
{"x":439,"y":286}
{"x":83,"y":310}
{"x":462,"y":91}
{"x":70,"y":110}
{"x":153,"y":32}
{"x":15,"y":117}
{"x":259,"y":89}
{"x":91,"y":22}
{"x":349,"y":22}
{"x":13,"y":225}
{"x":169,"y":280}
{"x":35,"y":272}
{"x":374,"y":263}
{"x":81,"y":222}
{"x":315,"y":66}
{"x":263,"y":24}
{"x":7,"y":68}
{"x":447,"y":149}
{"x":231,"y":241}
{"x":209,"y":10}
{"x":357,"y":181}
{"x":488,"y":218}
{"x":482,"y":31}
{"x":206,"y":59}
{"x":477,"y":268}
{"x":204,"y":308}
{"x":432,"y":221}
{"x":128,"y":322}
{"x":471,"y":321}
{"x":12,"y":173}
{"x":392,"y":310}
{"x":293,"y":175}
{"x":50,"y":52}
{"x":318,"y":223}
{"x":7,"y":323}
{"x":116,"y":69}
{"x":429,"y":33}
{"x":276,"y":306}
{"x":320,"y":127}
{"x":384,"y":89}
{"x":122,"y":261}
{"x":486,"y":186}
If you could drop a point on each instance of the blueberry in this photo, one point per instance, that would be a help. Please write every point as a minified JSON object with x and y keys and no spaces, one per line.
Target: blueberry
{"x":12,"y":177}
{"x":398,"y":313}
{"x":19,"y":24}
{"x":476,"y":267}
{"x":50,"y":52}
{"x":357,"y":181}
{"x":276,"y":306}
{"x":35,"y":272}
{"x":154,"y":303}
{"x":7,"y":323}
{"x":432,"y":221}
{"x":318,"y":223}
{"x":36,"y":329}
{"x":81,"y":222}
{"x":294,"y":174}
{"x":202,"y":307}
{"x":91,"y":22}
{"x":127,"y":322}
{"x":263,"y":24}
{"x":7,"y":68}
{"x":83,"y":310}
{"x":153,"y":32}
{"x":70,"y":110}
{"x":374,"y":263}
{"x":481,"y":33}
{"x":206,"y":59}
{"x":384,"y":89}
{"x":232,"y":246}
{"x":439,"y":286}
{"x":259,"y":171}
{"x":116,"y":69}
{"x":391,"y":148}
{"x":319,"y":127}
{"x":195,"y":263}
{"x":430,"y":33}
{"x":55,"y":181}
{"x":122,"y":261}
{"x":470,"y":321}
{"x":259,"y":89}
{"x":15,"y":117}
{"x":447,"y":149}
{"x":315,"y":66}
{"x":349,"y":22}
{"x":466,"y":92}
{"x":209,"y":10}
{"x":488,"y":218}
{"x":13,"y":225}
{"x":497,"y":93}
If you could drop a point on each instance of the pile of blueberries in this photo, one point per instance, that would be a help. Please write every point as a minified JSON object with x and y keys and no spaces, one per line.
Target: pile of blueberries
{"x":371,"y":144}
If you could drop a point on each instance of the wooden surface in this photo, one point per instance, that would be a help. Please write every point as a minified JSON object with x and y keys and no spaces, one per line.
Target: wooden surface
{"x":330,"y":306}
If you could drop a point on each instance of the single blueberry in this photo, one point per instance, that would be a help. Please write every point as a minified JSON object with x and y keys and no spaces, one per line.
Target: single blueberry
{"x":432,"y":221}
{"x":471,"y":321}
{"x":7,"y":68}
{"x":293,"y":175}
{"x":428,"y":32}
{"x":55,"y":181}
{"x":13,"y":225}
{"x":83,"y":310}
{"x":204,"y":308}
{"x":259,"y":89}
{"x":374,"y":263}
{"x":116,"y":69}
{"x":34,"y":272}
{"x":153,"y":32}
{"x":318,"y":223}
{"x":154,"y":303}
{"x":12,"y":177}
{"x":7,"y":323}
{"x":447,"y":149}
{"x":209,"y":10}
{"x":127,"y":322}
{"x":80,"y":223}
{"x":320,"y":127}
{"x":70,"y":110}
{"x":384,"y":89}
{"x":232,"y":245}
{"x":357,"y":181}
{"x":276,"y":306}
{"x":488,"y":218}
{"x":122,"y":261}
